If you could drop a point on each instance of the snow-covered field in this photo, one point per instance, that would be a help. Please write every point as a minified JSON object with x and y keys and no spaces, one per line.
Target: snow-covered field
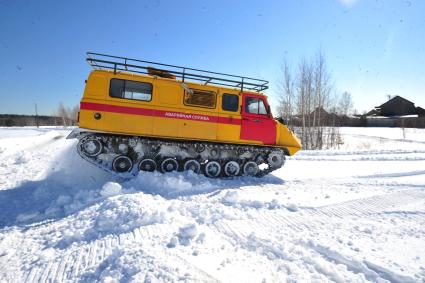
{"x":349,"y":215}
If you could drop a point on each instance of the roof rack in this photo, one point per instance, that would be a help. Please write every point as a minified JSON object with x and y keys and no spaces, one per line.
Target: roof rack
{"x":116,"y":63}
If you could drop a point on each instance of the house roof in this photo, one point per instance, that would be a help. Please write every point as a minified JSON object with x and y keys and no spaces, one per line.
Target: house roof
{"x":395,"y":98}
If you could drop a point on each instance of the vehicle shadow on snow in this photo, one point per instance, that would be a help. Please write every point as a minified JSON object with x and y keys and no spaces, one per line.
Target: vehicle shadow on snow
{"x":73,"y":184}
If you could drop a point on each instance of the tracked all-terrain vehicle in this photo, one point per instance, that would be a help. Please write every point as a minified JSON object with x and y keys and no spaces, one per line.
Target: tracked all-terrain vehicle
{"x":143,"y":116}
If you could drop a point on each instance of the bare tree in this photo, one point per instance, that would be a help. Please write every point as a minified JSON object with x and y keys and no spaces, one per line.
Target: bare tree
{"x":74,"y":113}
{"x":286,"y":100}
{"x":345,"y":104}
{"x":322,"y":89}
{"x":63,"y":113}
{"x":305,"y":94}
{"x":303,"y":99}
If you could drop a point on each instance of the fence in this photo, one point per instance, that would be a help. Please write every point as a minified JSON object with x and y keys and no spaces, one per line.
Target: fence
{"x":362,"y":121}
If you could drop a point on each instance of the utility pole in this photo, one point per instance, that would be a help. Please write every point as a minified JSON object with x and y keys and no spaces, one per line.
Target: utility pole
{"x":36,"y":115}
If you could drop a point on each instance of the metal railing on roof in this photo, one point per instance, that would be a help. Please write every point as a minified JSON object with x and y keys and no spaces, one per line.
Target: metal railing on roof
{"x":117,"y":63}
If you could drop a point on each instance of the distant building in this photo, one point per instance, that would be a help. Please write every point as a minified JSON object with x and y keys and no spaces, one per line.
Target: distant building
{"x":396,"y":112}
{"x":325,"y":117}
{"x":396,"y":106}
{"x":420,"y":111}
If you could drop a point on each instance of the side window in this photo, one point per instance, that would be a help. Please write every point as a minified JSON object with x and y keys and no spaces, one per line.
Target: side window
{"x":200,"y":98}
{"x":130,"y":90}
{"x":230,"y":102}
{"x":116,"y":88}
{"x":255,"y":106}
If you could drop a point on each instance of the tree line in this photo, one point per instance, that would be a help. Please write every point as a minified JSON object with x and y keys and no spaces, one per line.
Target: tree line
{"x":63,"y":116}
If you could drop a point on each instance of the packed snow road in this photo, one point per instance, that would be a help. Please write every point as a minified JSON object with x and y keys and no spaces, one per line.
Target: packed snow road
{"x":353,"y":214}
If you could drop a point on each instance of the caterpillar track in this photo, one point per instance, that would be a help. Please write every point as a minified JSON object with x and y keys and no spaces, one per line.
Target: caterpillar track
{"x":127,"y":155}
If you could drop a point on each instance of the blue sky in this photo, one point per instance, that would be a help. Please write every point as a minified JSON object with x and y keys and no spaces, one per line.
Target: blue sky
{"x":373,"y":48}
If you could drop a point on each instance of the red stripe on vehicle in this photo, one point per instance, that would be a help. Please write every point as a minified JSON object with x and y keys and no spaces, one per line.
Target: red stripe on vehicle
{"x":158,"y":113}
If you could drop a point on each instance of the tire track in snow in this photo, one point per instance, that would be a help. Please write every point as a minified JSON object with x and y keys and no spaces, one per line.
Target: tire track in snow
{"x":386,"y":139}
{"x":271,"y":226}
{"x":241,"y":234}
{"x":329,"y":152}
{"x":282,"y":254}
{"x":85,"y":259}
{"x":371,"y":205}
{"x":372,"y":272}
{"x":395,"y":175}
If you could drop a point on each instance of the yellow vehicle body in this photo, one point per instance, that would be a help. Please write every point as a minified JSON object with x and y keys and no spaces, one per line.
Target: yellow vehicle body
{"x":166,"y":115}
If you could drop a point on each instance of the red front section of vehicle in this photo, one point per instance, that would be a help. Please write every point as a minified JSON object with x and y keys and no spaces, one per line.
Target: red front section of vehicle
{"x":257,"y":123}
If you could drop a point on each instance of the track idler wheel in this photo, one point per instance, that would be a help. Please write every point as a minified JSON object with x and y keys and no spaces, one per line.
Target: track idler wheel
{"x":122,"y":164}
{"x":169,"y":165}
{"x":250,"y":168}
{"x":212,"y":169}
{"x":192,"y":165}
{"x":147,"y":165}
{"x":231,"y":168}
{"x":92,"y":147}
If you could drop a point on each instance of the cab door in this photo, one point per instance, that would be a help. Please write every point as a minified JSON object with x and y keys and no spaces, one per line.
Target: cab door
{"x":257,"y":122}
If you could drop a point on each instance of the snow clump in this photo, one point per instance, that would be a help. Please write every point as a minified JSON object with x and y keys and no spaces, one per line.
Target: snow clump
{"x":110,"y":189}
{"x":20,"y":158}
{"x":187,"y":233}
{"x":125,"y":213}
{"x":292,"y":207}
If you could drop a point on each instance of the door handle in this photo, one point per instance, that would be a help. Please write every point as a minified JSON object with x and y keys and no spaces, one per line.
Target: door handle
{"x":252,"y":120}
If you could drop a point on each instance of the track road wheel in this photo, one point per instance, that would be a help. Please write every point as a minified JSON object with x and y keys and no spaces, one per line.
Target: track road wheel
{"x":122,"y":164}
{"x":212,"y":169}
{"x":147,"y":164}
{"x":192,"y":165}
{"x":231,"y":168}
{"x":169,"y":165}
{"x":276,"y":159}
{"x":92,"y":147}
{"x":250,"y":168}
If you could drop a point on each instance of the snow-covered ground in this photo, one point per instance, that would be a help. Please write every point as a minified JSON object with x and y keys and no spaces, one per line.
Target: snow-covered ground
{"x":349,"y":215}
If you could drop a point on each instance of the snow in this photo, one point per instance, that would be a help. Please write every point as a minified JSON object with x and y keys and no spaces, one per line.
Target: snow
{"x":350,"y":214}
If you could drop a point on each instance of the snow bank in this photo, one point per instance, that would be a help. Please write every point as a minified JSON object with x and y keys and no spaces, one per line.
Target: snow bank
{"x":178,"y":184}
